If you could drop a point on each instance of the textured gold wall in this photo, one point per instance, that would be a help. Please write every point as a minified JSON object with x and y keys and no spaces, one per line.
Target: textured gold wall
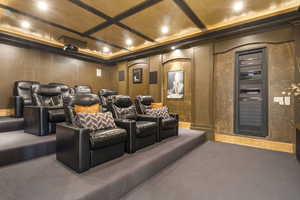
{"x":32,"y":64}
{"x":280,"y":76}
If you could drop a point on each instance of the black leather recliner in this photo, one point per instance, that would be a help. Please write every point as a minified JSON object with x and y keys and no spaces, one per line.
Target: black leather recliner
{"x":144,"y":129}
{"x":65,"y":89}
{"x":41,"y":118}
{"x":80,"y":148}
{"x":83,"y":89}
{"x":22,"y":96}
{"x":106,"y":98}
{"x":167,"y":127}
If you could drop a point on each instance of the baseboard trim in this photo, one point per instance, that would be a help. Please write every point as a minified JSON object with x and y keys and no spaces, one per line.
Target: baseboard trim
{"x":253,"y":142}
{"x":203,"y":127}
{"x":185,"y":125}
{"x":6,"y":112}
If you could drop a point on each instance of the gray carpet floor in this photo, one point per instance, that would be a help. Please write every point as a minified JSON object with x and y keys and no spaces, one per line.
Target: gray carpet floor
{"x":219,"y":171}
{"x":47,"y":179}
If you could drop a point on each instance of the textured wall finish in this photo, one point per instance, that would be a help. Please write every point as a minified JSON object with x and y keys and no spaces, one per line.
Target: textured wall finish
{"x":281,"y":75}
{"x":31,"y":64}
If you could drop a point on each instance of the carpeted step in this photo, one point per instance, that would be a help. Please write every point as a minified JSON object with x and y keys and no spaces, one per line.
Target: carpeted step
{"x":17,"y":146}
{"x":11,"y":124}
{"x":49,"y":179}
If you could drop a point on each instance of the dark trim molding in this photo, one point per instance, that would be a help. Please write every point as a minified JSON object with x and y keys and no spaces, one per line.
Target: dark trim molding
{"x":268,"y":22}
{"x":116,"y":20}
{"x":264,"y":23}
{"x":190,"y":13}
{"x":16,"y":41}
{"x":55,"y":25}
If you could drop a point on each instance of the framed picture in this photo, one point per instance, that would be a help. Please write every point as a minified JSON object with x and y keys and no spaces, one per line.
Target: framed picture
{"x":137,"y":75}
{"x":175,"y":85}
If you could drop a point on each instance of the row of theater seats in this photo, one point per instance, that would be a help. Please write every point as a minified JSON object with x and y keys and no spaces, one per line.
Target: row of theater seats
{"x":50,"y":108}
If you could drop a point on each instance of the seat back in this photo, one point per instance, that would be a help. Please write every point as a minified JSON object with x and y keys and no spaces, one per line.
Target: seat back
{"x":65,"y":89}
{"x":106,"y":96}
{"x":46,"y":95}
{"x":123,"y":108}
{"x":23,"y":89}
{"x":83,"y":89}
{"x":142,"y":103}
{"x":81,"y":100}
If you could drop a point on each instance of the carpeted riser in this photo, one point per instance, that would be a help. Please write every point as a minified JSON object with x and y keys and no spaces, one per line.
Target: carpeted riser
{"x":15,"y":155}
{"x":140,"y":173}
{"x":11,"y":124}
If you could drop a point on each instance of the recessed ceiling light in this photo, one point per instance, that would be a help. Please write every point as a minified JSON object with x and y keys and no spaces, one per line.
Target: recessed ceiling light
{"x":25,"y":24}
{"x":238,"y":6}
{"x":42,"y":5}
{"x":173,"y":47}
{"x":106,"y":49}
{"x":164,"y":29}
{"x":129,"y":42}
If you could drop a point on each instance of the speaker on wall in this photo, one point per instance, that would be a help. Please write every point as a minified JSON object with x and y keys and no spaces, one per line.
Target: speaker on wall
{"x":153,"y":77}
{"x":121,"y":75}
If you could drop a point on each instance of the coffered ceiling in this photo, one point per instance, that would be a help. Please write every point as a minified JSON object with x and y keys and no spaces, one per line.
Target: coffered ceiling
{"x":113,"y":28}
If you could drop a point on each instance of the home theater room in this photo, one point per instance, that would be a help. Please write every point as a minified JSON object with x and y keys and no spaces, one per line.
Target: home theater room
{"x":149,"y":99}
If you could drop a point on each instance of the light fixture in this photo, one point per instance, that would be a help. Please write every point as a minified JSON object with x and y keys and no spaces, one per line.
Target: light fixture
{"x":42,"y":5}
{"x":164,"y":29}
{"x":25,"y":24}
{"x":129,"y":42}
{"x":238,"y":6}
{"x":105,"y":49}
{"x":173,"y":47}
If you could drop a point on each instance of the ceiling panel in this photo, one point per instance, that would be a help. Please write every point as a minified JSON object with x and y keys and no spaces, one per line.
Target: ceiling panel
{"x":116,"y":35}
{"x":216,"y":12}
{"x":165,"y":13}
{"x":44,"y":31}
{"x":59,"y":11}
{"x":112,"y":7}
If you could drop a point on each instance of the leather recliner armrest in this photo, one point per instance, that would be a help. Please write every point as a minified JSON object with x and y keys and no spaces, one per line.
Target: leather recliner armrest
{"x":174,"y":115}
{"x":18,"y":104}
{"x":73,"y":146}
{"x":130,"y":126}
{"x":36,"y":120}
{"x":149,"y":118}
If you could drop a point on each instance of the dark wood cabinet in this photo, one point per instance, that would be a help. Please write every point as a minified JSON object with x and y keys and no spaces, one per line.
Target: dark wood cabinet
{"x":251,"y":93}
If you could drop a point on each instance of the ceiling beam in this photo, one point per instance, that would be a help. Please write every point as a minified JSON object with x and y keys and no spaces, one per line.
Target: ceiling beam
{"x":116,"y":20}
{"x":57,"y":25}
{"x":190,"y":13}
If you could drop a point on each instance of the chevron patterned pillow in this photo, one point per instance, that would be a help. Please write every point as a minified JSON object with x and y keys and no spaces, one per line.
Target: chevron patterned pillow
{"x":158,"y":112}
{"x":96,"y":121}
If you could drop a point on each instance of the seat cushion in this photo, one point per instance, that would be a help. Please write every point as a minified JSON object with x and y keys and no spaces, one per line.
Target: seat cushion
{"x":57,"y":115}
{"x":169,"y":123}
{"x":145,"y":128}
{"x":107,"y":137}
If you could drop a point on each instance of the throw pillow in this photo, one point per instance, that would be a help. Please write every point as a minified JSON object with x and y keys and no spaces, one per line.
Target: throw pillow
{"x":87,"y":109}
{"x":158,"y":112}
{"x":156,"y":105}
{"x":96,"y":121}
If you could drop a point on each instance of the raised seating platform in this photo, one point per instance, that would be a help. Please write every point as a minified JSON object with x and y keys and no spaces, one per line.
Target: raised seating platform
{"x":17,"y":146}
{"x":11,"y":124}
{"x":46,"y":178}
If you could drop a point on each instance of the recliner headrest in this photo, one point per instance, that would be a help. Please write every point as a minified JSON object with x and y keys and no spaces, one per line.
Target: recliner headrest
{"x":84,"y":100}
{"x":46,"y":90}
{"x":145,"y":100}
{"x":24,"y":85}
{"x":86,"y":89}
{"x":63,"y":87}
{"x":107,"y":92}
{"x":122,"y":101}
